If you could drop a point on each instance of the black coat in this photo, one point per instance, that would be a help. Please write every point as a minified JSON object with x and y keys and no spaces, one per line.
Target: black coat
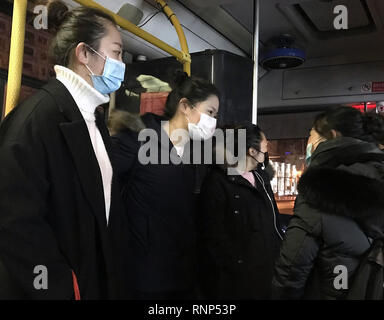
{"x":340,"y":205}
{"x":52,"y":209}
{"x":239,"y":236}
{"x":160,"y":204}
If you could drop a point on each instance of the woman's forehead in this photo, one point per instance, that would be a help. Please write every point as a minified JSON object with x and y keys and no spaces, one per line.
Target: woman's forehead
{"x":113,"y":36}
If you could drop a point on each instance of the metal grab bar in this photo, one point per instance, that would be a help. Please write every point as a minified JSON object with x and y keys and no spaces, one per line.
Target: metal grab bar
{"x":16,"y":54}
{"x":18,"y":36}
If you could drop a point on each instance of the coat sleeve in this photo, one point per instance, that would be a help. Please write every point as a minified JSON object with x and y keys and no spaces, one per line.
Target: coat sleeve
{"x":125,"y":147}
{"x":33,"y":265}
{"x":298,"y":253}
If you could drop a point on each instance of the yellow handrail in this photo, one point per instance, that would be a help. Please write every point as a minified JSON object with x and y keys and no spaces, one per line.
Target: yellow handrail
{"x":180,"y":33}
{"x":183,"y":56}
{"x":18,"y":35}
{"x":16,"y":54}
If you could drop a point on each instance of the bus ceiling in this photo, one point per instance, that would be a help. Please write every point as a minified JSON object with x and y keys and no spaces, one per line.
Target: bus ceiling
{"x":352,"y":56}
{"x":18,"y":36}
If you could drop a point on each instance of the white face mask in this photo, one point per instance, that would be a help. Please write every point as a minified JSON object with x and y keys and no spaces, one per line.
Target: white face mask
{"x":204,"y":129}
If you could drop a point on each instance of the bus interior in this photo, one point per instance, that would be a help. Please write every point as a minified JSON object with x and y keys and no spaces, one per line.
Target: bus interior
{"x":310,"y":55}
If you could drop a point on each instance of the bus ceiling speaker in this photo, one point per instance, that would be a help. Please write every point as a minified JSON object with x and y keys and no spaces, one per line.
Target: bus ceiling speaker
{"x":282,"y":53}
{"x":131,"y":12}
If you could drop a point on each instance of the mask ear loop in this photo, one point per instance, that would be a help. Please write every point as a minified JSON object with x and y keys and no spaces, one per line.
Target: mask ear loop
{"x":263,"y":164}
{"x":187,"y":116}
{"x":95,"y":52}
{"x":92,"y":73}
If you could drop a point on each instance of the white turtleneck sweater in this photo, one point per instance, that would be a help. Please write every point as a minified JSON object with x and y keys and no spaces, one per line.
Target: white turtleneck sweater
{"x":88,"y":99}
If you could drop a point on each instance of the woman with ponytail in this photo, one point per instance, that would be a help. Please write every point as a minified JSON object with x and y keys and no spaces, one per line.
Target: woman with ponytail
{"x":340,"y":208}
{"x":160,"y":197}
{"x":58,"y":201}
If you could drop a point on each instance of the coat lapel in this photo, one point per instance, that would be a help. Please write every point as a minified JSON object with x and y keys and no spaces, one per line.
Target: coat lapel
{"x":77,"y":137}
{"x":238,"y":179}
{"x":257,"y":188}
{"x":78,"y":141}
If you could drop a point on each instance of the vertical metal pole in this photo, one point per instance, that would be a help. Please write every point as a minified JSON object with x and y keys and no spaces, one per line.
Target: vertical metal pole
{"x":365,"y":106}
{"x":16,"y":54}
{"x":256,"y":23}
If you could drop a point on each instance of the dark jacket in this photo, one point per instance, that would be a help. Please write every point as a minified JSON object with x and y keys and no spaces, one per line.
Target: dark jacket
{"x":160,"y":204}
{"x":52,"y":209}
{"x":340,"y":205}
{"x":239,"y":236}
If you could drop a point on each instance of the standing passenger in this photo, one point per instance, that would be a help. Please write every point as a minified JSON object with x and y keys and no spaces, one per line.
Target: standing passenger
{"x":239,"y":232}
{"x":339,"y":210}
{"x":160,"y":198}
{"x":58,"y":202}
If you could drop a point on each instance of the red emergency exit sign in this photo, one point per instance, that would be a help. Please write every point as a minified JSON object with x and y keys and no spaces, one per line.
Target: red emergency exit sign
{"x":373,"y":87}
{"x":378,"y":86}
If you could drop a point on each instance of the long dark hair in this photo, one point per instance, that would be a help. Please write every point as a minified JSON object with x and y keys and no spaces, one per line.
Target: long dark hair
{"x":350,"y":122}
{"x":254,"y":136}
{"x":81,"y":24}
{"x":194,"y":89}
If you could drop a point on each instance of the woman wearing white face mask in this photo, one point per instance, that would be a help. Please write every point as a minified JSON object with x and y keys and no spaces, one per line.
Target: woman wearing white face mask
{"x":160,"y":198}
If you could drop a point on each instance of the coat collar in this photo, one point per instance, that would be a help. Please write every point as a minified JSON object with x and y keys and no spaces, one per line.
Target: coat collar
{"x":346,"y":151}
{"x":236,"y":179}
{"x":64,"y":100}
{"x":86,"y":97}
{"x":239,"y":179}
{"x":154,"y":122}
